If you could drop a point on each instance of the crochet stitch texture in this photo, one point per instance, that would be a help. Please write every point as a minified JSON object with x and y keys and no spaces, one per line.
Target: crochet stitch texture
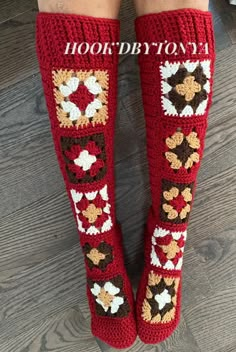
{"x":80,"y":92}
{"x":177,"y":94}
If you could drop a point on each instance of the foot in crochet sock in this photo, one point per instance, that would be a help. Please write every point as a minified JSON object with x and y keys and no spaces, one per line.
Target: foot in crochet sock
{"x":177,"y":91}
{"x":81,"y":91}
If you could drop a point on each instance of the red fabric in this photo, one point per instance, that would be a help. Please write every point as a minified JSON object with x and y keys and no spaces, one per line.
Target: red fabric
{"x":182,"y":26}
{"x":54,"y":31}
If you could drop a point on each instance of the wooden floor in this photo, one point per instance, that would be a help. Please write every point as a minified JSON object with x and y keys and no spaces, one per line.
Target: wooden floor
{"x":42,"y":279}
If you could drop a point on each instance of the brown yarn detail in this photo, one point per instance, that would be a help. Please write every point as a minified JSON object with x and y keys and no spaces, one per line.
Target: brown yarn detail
{"x":188,"y":88}
{"x":99,"y":257}
{"x":150,"y":309}
{"x":68,"y":142}
{"x":176,"y":202}
{"x":183,"y":150}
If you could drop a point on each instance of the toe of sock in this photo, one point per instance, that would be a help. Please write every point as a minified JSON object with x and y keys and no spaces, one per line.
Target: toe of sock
{"x":117,"y":332}
{"x":158,"y":305}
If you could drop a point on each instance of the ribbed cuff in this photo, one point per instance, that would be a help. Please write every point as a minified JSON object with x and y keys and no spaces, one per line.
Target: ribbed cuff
{"x":55,"y":31}
{"x":177,"y":26}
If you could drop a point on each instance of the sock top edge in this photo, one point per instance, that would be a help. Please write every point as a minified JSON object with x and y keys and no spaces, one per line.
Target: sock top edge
{"x":89,"y":19}
{"x":179,"y":12}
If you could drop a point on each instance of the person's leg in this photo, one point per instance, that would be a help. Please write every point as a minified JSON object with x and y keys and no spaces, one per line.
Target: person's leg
{"x":144,"y":7}
{"x":96,"y":8}
{"x":81,"y":91}
{"x":176,"y":79}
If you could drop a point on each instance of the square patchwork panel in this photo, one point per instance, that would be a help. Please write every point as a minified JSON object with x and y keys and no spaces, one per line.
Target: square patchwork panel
{"x":185,"y":87}
{"x":109,"y":297}
{"x":182,"y":147}
{"x":159,"y":305}
{"x":98,"y":257}
{"x":85,"y":158}
{"x":81,"y":97}
{"x":176,"y":201}
{"x":168,"y":248}
{"x":92,"y":211}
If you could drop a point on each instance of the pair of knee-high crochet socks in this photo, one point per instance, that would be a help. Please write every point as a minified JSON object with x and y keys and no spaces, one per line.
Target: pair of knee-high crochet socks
{"x":81,"y":94}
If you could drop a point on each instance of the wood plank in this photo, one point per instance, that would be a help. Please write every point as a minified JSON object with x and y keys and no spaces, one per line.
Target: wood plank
{"x":40,"y":291}
{"x":13,"y":8}
{"x":67,"y":331}
{"x":17,"y":43}
{"x":212,"y":321}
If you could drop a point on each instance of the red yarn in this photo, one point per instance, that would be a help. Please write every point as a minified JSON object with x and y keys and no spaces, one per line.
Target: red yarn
{"x":83,"y":135}
{"x":177,"y":94}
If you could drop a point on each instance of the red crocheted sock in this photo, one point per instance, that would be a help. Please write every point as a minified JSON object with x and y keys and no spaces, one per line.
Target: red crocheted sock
{"x":177,"y":93}
{"x":80,"y":92}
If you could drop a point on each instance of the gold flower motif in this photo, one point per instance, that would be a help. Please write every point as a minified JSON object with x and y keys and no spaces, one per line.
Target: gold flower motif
{"x":183,"y":150}
{"x":105,"y":297}
{"x":95,"y":256}
{"x":188,"y":88}
{"x":171,"y":250}
{"x":92,"y":213}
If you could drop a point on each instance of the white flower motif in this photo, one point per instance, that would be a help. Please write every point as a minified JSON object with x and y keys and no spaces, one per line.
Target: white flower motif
{"x":70,"y":87}
{"x":206,"y":68}
{"x":187,"y":111}
{"x":169,"y":69}
{"x":80,"y":225}
{"x":179,"y":264}
{"x":159,"y":232}
{"x":107,"y":225}
{"x":66,"y":90}
{"x":190,"y":66}
{"x":103,"y":193}
{"x":71,"y":108}
{"x":85,"y":160}
{"x":92,"y":230}
{"x":93,"y":86}
{"x":91,"y":195}
{"x":93,"y":107}
{"x":202,"y":107}
{"x":163,"y":299}
{"x":110,"y":290}
{"x":169,"y":265}
{"x":168,"y":107}
{"x":176,"y":235}
{"x":76,"y":196}
{"x":165,"y":87}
